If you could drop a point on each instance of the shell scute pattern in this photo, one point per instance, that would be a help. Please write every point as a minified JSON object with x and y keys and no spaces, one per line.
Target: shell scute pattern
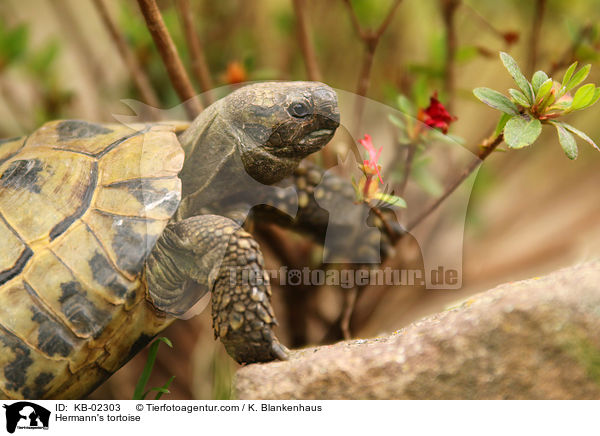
{"x":81,"y":206}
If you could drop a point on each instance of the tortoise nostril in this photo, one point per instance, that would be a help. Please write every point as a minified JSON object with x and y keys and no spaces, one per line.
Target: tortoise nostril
{"x":326,"y":101}
{"x":329,"y":119}
{"x":325,"y":94}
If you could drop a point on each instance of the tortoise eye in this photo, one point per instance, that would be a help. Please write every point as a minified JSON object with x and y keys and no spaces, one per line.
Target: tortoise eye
{"x":299,"y":110}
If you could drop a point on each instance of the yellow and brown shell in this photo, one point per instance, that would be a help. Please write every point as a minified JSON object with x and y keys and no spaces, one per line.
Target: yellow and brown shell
{"x":81,"y":206}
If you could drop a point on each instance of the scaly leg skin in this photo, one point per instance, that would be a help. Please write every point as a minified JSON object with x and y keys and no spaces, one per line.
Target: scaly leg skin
{"x":213,"y":253}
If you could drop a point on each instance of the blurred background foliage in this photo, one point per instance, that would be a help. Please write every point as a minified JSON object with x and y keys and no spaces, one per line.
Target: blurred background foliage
{"x":531,"y":211}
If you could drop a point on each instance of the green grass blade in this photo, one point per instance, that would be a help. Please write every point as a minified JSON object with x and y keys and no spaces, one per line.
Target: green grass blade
{"x":164,"y":389}
{"x":139,"y":393}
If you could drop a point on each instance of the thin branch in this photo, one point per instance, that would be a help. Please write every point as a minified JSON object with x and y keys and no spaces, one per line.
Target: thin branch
{"x":196,"y":50}
{"x":171,"y":60}
{"x":347,"y":311}
{"x":484,"y":151}
{"x":370,"y":39}
{"x":296,"y":298}
{"x":310,"y":60}
{"x":92,"y":68}
{"x":65,"y":16}
{"x":410,"y":156}
{"x":377,"y":294}
{"x":354,"y":18}
{"x":508,"y":37}
{"x":140,"y":79}
{"x":568,"y":56}
{"x":449,"y":8}
{"x":16,"y":106}
{"x":534,"y":37}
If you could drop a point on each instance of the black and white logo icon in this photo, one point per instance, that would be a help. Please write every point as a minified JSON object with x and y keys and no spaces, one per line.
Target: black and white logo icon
{"x":26,"y":415}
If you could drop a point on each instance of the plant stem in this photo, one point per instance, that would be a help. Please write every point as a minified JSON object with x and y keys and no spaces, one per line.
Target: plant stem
{"x":296,"y":299}
{"x":86,"y":56}
{"x":370,"y":39}
{"x":171,"y":60}
{"x":568,"y":56}
{"x":199,"y":64}
{"x":16,"y":106}
{"x":140,"y":79}
{"x":310,"y":60}
{"x":410,"y":156}
{"x":497,"y":32}
{"x":449,"y":8}
{"x":347,"y":311}
{"x":484,"y":151}
{"x":534,"y":37}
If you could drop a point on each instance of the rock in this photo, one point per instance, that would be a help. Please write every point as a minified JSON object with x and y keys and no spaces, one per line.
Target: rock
{"x":534,"y":339}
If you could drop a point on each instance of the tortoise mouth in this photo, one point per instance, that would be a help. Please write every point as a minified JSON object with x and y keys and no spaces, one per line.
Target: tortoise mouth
{"x":317,"y":134}
{"x":308,"y":144}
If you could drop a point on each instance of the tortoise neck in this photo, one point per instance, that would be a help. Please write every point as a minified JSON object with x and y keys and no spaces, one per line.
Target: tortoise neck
{"x":212,"y":169}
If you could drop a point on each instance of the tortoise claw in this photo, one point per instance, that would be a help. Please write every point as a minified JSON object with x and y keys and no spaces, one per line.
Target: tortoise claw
{"x":279,"y":351}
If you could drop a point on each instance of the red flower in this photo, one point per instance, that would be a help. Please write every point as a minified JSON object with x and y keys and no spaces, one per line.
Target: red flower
{"x":371,"y":163}
{"x":436,"y":115}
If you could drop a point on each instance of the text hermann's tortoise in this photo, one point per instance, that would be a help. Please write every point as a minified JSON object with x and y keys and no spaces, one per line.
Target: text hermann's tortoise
{"x":105,"y":236}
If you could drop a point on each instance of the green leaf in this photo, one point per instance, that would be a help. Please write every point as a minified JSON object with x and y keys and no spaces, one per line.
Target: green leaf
{"x":501,"y":123}
{"x":424,"y":177}
{"x":518,"y":97}
{"x":396,"y":121}
{"x":561,"y":105}
{"x":466,"y":53}
{"x":405,"y":105}
{"x":568,"y":74}
{"x":578,"y":77}
{"x":145,"y":376}
{"x":496,"y":100}
{"x":583,"y":97}
{"x":537,"y":80}
{"x":595,"y":97}
{"x":390,"y":199}
{"x":513,"y":68}
{"x":521,"y":131}
{"x":578,"y":132}
{"x":567,"y":142}
{"x":41,"y":61}
{"x":447,"y":138}
{"x":15,"y":43}
{"x":543,"y":90}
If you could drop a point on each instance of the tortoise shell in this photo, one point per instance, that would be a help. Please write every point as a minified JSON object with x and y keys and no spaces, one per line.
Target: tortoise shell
{"x":81,"y":206}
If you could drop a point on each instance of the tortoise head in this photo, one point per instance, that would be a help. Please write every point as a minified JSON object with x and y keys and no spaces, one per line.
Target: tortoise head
{"x":279,"y":124}
{"x":262,"y":130}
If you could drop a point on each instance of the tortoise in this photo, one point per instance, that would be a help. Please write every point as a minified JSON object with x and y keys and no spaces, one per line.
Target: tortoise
{"x":107,"y":235}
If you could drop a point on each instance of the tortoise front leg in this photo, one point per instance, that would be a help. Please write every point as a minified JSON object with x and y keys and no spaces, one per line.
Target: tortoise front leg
{"x":213,"y":253}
